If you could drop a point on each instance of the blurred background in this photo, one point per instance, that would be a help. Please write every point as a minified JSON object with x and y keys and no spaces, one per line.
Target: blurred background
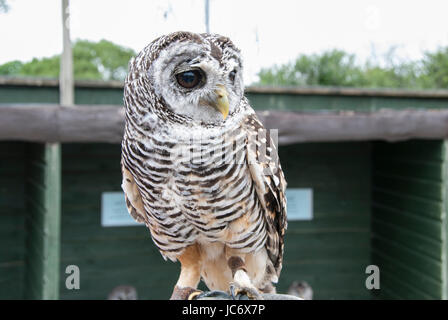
{"x":357,"y":90}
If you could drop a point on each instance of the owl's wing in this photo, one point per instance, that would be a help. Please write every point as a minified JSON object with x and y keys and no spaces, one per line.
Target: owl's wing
{"x":270,"y":185}
{"x":132,"y":194}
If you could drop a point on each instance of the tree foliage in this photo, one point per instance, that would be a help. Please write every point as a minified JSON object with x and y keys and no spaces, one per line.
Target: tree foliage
{"x":338,"y":68}
{"x":435,"y":69}
{"x":108,"y":61}
{"x":101,"y":60}
{"x":11,"y":68}
{"x":91,"y":60}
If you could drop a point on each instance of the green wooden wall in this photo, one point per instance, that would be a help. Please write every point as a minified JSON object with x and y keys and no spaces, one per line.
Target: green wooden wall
{"x":107,"y":256}
{"x":29,"y":229}
{"x":310,"y":102}
{"x":409,"y":208}
{"x":260,"y":101}
{"x":12,"y":219}
{"x":375,"y":203}
{"x":50,"y":94}
{"x":332,"y":251}
{"x":408,"y":221}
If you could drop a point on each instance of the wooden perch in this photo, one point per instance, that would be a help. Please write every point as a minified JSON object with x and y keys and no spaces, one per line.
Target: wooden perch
{"x":54,"y":123}
{"x":101,"y":123}
{"x":386,"y":124}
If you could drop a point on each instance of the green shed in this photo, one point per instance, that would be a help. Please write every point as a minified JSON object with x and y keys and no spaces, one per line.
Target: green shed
{"x":374,"y":163}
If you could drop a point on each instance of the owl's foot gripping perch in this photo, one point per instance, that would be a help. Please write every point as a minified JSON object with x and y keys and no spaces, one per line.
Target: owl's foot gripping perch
{"x":242,"y":285}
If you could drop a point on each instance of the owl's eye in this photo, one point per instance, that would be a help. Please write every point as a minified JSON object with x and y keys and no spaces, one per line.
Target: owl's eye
{"x":232,"y":75}
{"x":189,"y":79}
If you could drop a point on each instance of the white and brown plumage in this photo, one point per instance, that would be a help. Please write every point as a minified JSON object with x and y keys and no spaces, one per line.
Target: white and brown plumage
{"x":198,"y":168}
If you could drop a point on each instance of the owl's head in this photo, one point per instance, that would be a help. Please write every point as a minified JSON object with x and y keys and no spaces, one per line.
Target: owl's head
{"x":194,"y":76}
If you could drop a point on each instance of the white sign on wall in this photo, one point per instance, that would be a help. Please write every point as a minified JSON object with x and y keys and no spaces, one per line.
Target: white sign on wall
{"x":299,"y":204}
{"x":114,"y":212}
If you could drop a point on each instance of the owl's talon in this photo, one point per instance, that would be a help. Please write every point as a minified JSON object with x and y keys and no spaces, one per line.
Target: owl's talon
{"x":194,"y":295}
{"x":238,"y":292}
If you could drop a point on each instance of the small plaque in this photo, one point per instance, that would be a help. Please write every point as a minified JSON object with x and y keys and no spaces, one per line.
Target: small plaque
{"x":299,"y":204}
{"x":114,"y":212}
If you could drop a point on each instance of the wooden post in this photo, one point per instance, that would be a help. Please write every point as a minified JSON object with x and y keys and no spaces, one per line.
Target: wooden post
{"x":66,"y":91}
{"x":44,"y":193}
{"x":43,"y":221}
{"x":445,"y":222}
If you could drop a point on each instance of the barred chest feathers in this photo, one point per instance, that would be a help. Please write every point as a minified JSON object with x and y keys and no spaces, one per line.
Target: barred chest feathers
{"x":198,"y":187}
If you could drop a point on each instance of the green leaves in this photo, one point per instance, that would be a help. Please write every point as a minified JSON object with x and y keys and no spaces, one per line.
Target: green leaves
{"x":435,"y":69}
{"x":11,"y":68}
{"x":331,"y":68}
{"x":45,"y":67}
{"x":92,"y":60}
{"x":338,"y":68}
{"x":100,"y":60}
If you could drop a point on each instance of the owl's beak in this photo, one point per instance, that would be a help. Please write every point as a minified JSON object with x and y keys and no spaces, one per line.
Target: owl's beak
{"x":222,"y":102}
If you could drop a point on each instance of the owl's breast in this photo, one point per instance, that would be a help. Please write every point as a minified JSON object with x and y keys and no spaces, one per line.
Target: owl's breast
{"x":202,"y":189}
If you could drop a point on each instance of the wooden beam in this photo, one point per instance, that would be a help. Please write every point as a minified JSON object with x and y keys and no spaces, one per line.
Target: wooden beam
{"x":101,"y":123}
{"x":385,"y":124}
{"x":54,"y":123}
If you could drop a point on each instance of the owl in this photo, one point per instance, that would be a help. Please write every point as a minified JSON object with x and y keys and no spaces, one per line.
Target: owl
{"x":199,"y":169}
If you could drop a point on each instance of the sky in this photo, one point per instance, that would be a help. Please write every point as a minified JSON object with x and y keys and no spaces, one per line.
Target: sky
{"x":268,"y":32}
